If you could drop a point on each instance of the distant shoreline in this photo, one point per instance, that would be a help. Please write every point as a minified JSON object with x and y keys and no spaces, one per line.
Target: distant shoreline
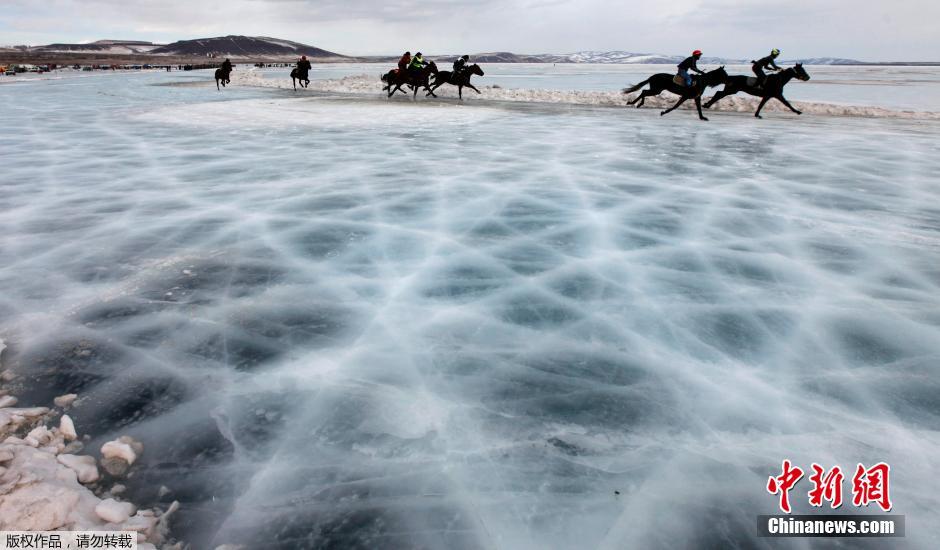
{"x":86,"y":58}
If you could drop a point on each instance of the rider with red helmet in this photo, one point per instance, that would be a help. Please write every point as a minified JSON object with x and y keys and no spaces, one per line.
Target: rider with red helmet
{"x":689,"y":64}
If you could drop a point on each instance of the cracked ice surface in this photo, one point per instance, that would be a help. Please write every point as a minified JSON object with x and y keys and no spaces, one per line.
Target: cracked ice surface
{"x":359,"y":324}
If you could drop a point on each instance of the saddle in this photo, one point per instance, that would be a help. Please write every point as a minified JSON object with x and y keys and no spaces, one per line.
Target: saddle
{"x":680,"y":81}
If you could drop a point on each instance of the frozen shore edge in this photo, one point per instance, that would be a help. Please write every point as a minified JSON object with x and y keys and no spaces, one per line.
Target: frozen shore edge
{"x":47,"y":485}
{"x":371,"y":85}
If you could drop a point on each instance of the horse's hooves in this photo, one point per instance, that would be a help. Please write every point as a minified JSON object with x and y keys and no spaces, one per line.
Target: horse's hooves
{"x":661,"y":113}
{"x":799,"y":112}
{"x":758,"y":116}
{"x":705,"y":119}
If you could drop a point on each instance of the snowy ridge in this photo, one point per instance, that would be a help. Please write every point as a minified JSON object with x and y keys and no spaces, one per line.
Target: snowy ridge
{"x":370,"y":85}
{"x":242,"y":46}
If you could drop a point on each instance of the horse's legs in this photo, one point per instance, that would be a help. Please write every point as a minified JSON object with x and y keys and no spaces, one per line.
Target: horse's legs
{"x":471,"y":86}
{"x":217,"y":84}
{"x":294,"y":80}
{"x":698,"y":106}
{"x":674,"y":107}
{"x":718,"y":97}
{"x":644,"y":95}
{"x":761,"y":106}
{"x":787,"y":103}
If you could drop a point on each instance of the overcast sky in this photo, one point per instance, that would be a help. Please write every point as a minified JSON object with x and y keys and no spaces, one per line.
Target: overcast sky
{"x":858,"y":29}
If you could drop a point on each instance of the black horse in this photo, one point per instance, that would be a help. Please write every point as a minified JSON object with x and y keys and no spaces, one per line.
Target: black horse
{"x":222,"y":76}
{"x":297,"y":75}
{"x":461,"y":80}
{"x":772,"y":89}
{"x":395,"y":79}
{"x":663,"y":81}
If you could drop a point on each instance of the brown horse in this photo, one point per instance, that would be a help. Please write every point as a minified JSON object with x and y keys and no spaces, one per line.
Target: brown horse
{"x":662,"y":82}
{"x":221,"y":77}
{"x":395,"y":79}
{"x":772,"y":88}
{"x":461,"y":80}
{"x":297,"y":75}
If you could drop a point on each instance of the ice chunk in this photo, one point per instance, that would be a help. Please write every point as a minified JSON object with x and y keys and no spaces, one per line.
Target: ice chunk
{"x":83,"y":465}
{"x":113,"y":511}
{"x":67,"y":428}
{"x":66,"y":400}
{"x":120,"y":450}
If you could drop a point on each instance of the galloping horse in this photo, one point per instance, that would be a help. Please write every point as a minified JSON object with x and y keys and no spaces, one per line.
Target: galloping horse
{"x":663,"y":81}
{"x":773,"y":87}
{"x":461,"y":80}
{"x":221,"y":76}
{"x":398,"y":79}
{"x":302,"y":76}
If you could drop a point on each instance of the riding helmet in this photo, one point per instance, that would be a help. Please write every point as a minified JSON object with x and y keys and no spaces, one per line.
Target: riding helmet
{"x":697,"y":52}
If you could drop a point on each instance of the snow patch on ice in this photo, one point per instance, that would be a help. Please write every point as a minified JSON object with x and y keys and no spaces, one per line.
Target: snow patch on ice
{"x":371,"y":85}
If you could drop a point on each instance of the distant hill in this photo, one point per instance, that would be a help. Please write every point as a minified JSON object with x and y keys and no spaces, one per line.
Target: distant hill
{"x":264,"y":47}
{"x":120,"y":47}
{"x":242,"y":46}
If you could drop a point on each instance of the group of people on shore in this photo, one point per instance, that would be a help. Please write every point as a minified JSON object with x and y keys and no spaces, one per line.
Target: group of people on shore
{"x":766,"y":63}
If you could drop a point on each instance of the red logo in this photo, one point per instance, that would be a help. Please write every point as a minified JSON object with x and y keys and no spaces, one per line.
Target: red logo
{"x":868,"y":486}
{"x":784,"y":483}
{"x":872,"y":486}
{"x":828,"y":487}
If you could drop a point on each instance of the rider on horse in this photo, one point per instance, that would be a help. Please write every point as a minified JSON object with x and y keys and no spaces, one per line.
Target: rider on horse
{"x":303,"y":65}
{"x":404,"y":62}
{"x":417,"y":63}
{"x":689,"y":64}
{"x":460,"y":65}
{"x":226,"y":66}
{"x":765,"y":63}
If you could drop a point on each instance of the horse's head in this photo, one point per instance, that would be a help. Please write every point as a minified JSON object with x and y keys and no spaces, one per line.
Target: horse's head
{"x":800,"y":72}
{"x":716,"y":77}
{"x":475,"y":69}
{"x":432,"y":66}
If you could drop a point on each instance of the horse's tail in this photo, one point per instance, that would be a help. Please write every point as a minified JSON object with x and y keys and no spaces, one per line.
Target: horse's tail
{"x":632,"y":89}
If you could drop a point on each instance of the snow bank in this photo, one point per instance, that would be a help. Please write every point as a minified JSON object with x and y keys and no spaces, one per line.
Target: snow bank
{"x":44,"y":486}
{"x":372,"y":85}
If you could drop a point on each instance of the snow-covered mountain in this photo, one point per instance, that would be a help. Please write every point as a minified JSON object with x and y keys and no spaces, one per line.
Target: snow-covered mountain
{"x":120,"y":47}
{"x":624,"y":57}
{"x":825,"y":61}
{"x":619,"y":56}
{"x":242,"y":46}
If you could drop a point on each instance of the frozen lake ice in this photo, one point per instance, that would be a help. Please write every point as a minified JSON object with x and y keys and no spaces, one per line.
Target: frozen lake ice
{"x":344,"y":322}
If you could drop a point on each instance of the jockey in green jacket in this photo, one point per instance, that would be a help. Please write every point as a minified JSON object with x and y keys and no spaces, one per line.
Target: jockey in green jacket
{"x":417,"y":63}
